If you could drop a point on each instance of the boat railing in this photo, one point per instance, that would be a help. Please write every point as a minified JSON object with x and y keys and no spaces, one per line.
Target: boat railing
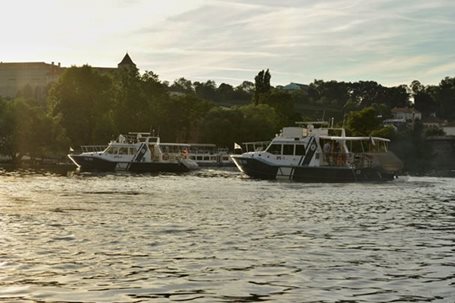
{"x":341,"y":159}
{"x":93,"y":148}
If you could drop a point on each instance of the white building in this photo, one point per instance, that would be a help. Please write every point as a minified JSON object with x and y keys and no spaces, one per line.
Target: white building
{"x":405,"y":113}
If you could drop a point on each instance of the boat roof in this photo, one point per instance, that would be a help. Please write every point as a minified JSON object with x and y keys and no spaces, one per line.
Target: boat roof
{"x":338,"y":138}
{"x":202,"y":144}
{"x":174,"y":144}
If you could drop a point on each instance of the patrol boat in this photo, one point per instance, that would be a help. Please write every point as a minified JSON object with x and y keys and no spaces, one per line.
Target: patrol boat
{"x":136,"y":152}
{"x":315,"y":152}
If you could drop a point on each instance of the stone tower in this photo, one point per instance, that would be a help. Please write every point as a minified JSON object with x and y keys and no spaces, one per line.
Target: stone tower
{"x":127,"y":63}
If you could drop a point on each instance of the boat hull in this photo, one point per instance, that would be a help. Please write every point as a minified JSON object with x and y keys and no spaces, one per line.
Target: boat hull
{"x":91,"y":163}
{"x":260,"y":169}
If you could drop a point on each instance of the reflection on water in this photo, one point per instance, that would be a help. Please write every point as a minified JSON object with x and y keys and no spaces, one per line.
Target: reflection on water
{"x":216,"y":236}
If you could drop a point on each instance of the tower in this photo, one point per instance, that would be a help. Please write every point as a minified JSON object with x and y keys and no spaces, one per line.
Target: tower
{"x":126,"y":63}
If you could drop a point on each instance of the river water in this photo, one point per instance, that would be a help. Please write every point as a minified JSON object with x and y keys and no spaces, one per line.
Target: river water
{"x":216,"y":236}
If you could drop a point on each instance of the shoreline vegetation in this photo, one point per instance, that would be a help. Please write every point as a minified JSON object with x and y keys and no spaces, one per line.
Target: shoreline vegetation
{"x":87,"y":107}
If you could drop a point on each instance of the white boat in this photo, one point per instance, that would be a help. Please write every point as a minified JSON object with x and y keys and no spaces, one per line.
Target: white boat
{"x":315,"y":152}
{"x":136,"y":152}
{"x":209,"y":155}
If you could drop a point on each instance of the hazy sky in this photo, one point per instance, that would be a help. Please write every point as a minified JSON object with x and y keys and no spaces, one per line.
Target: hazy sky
{"x":388,"y":41}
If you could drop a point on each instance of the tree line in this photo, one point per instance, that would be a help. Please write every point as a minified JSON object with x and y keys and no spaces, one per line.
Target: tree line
{"x":86,"y":106}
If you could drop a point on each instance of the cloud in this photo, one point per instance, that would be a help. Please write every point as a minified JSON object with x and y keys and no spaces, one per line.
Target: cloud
{"x":299,"y":41}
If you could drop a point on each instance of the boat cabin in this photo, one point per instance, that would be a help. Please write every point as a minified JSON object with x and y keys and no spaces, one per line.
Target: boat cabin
{"x":316,"y":144}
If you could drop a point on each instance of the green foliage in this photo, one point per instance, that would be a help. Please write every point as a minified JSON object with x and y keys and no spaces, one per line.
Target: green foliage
{"x":261,"y":122}
{"x":26,"y":129}
{"x":222,"y":126}
{"x":424,"y":100}
{"x":85,"y":106}
{"x":82,"y":100}
{"x":239,"y":124}
{"x":283,"y":104}
{"x":262,"y":85}
{"x":363,"y":123}
{"x":181,"y":118}
{"x":206,"y":90}
{"x":445,"y":94}
{"x":182,"y":85}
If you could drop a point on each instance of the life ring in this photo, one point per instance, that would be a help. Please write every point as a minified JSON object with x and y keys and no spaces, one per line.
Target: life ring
{"x":165,"y":157}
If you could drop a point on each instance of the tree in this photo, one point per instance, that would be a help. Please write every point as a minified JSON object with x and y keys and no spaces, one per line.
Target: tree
{"x":423,"y":99}
{"x":397,"y":96}
{"x":222,"y":126}
{"x":363,"y":122}
{"x":206,"y":90}
{"x":82,"y":101}
{"x":181,"y":118}
{"x":182,"y":85}
{"x":261,"y":122}
{"x":225,"y":92}
{"x":262,"y":85}
{"x":239,"y":124}
{"x":445,"y":96}
{"x":283,"y":104}
{"x":26,"y":129}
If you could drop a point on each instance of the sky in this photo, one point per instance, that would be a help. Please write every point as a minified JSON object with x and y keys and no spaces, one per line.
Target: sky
{"x":392,"y":42}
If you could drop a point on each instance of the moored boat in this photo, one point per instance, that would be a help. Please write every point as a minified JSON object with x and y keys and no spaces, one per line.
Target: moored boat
{"x":315,"y":152}
{"x":209,"y":155}
{"x":136,"y":152}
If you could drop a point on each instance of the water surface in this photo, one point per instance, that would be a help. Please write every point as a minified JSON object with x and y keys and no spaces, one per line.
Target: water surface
{"x":216,"y":236}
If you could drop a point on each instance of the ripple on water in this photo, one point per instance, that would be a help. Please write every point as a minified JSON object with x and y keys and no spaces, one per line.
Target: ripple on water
{"x":215,"y":236}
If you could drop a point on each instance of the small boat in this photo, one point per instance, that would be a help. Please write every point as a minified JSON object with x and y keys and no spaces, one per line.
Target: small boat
{"x":136,"y":152}
{"x":209,"y":155}
{"x":315,"y":152}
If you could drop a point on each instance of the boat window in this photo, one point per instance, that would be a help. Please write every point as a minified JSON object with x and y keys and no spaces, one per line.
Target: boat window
{"x":300,"y":150}
{"x":288,"y":149}
{"x":112,"y":150}
{"x":123,"y":150}
{"x":206,"y":158}
{"x":274,"y":149}
{"x":131,"y":150}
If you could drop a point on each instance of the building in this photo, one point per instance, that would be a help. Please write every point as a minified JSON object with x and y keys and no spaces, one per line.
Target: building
{"x":36,"y":77}
{"x":407,"y":114}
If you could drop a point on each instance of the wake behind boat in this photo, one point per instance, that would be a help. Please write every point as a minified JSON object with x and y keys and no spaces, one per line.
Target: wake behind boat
{"x":314,"y":152}
{"x":137,"y":152}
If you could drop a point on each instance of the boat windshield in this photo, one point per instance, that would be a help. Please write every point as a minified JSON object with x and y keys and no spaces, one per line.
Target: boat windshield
{"x":367,"y":146}
{"x":286,"y":149}
{"x":120,"y":150}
